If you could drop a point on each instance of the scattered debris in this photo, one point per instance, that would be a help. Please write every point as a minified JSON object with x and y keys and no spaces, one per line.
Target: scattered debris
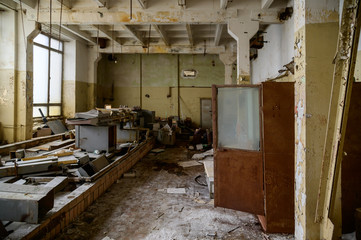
{"x":234,"y":229}
{"x":107,"y":238}
{"x":199,"y":146}
{"x":157,"y":150}
{"x":189,"y":163}
{"x":265,"y":236}
{"x":200,"y":156}
{"x":191,"y":147}
{"x":176,"y":190}
{"x":160,"y":215}
{"x":199,"y":182}
{"x":131,"y":174}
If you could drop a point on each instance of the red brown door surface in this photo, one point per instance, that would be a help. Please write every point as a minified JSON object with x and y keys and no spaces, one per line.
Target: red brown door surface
{"x":238,"y":162}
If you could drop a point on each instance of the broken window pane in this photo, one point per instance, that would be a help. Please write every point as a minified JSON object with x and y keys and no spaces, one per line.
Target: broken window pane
{"x":54,"y":111}
{"x":238,"y":118}
{"x":55,"y":77}
{"x":40,"y":75}
{"x":36,"y":112}
{"x":42,"y":39}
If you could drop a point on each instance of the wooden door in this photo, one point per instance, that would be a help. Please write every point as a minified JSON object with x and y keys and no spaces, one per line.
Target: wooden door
{"x":238,"y":164}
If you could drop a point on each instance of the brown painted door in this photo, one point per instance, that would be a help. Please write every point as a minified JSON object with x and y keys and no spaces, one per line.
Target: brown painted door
{"x":238,"y":164}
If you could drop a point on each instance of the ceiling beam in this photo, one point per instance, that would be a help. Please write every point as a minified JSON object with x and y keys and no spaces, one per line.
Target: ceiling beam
{"x":91,"y":16}
{"x":161,"y":33}
{"x":102,"y":3}
{"x":182,"y":4}
{"x":135,"y":34}
{"x":68,"y":34}
{"x":75,"y":30}
{"x":190,"y":34}
{"x":29,"y":3}
{"x":217,"y":37}
{"x":66,"y":3}
{"x":164,"y":49}
{"x":107,"y":34}
{"x":266,"y":4}
{"x":224,"y":4}
{"x":143,"y":3}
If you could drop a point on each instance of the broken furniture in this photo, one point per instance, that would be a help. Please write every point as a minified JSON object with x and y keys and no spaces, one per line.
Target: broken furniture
{"x":91,"y":138}
{"x":253,"y":127}
{"x":24,"y":203}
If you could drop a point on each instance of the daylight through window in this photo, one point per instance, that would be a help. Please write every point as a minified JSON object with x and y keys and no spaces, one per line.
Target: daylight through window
{"x":47,"y":75}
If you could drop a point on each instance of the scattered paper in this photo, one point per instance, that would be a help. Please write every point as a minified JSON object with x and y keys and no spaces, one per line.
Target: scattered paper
{"x":157,"y":150}
{"x":200,"y":156}
{"x":189,"y":163}
{"x":176,"y":190}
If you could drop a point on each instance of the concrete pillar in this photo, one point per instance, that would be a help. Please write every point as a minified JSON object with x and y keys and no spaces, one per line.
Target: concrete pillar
{"x":242,"y":31}
{"x":228,"y":60}
{"x":315,"y":47}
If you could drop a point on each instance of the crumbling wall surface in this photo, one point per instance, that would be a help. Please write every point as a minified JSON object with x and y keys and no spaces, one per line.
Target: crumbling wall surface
{"x":276,"y":52}
{"x":316,"y":32}
{"x":15,"y":89}
{"x":152,"y":82}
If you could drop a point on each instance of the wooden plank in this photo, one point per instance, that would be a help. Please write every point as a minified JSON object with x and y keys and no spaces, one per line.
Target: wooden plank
{"x":338,"y":110}
{"x":4,"y":150}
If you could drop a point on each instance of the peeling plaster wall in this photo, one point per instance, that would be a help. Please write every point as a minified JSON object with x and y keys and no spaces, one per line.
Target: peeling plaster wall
{"x":316,"y":32}
{"x":159,"y":78}
{"x":276,"y":53}
{"x":15,"y":93}
{"x":81,"y":93}
{"x":69,"y":78}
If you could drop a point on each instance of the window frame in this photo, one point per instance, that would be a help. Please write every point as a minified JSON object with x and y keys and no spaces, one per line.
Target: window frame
{"x":49,"y":50}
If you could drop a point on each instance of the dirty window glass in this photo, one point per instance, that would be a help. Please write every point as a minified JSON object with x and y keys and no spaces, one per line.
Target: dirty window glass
{"x":238,"y":118}
{"x":47,"y":75}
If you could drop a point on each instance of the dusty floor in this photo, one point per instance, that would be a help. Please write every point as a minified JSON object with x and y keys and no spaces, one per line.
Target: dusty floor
{"x":140,"y":208}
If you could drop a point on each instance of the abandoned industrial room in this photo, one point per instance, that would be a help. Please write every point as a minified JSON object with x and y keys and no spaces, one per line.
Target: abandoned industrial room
{"x":180,"y":119}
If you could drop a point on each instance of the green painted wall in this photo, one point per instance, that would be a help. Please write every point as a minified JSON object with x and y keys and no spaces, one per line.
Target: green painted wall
{"x":155,"y":78}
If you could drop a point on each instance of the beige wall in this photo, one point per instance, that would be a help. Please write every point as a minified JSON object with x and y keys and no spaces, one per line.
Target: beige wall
{"x":156,"y":75}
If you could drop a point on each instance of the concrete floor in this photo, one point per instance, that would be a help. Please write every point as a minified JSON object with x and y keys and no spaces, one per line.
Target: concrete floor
{"x":140,"y":207}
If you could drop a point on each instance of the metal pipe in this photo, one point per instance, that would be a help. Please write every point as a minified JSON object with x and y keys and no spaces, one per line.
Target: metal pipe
{"x":178,"y":87}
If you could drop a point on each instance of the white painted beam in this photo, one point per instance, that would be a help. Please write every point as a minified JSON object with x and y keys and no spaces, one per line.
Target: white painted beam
{"x":9,"y":4}
{"x":190,"y":34}
{"x":108,"y":34}
{"x":143,"y":3}
{"x":102,"y":3}
{"x":217,"y":37}
{"x":29,"y":3}
{"x":75,"y":30}
{"x":162,"y":34}
{"x":66,"y":3}
{"x":266,"y":4}
{"x":135,"y":34}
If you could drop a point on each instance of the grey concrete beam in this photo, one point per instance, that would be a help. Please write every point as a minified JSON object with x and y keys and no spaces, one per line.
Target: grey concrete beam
{"x":190,"y":34}
{"x":143,"y":3}
{"x":66,"y":3}
{"x":266,"y":4}
{"x":161,"y":33}
{"x":75,"y":30}
{"x":29,"y":3}
{"x":135,"y":34}
{"x":69,"y":34}
{"x":102,"y":3}
{"x":108,"y":34}
{"x":217,"y":37}
{"x":224,"y":4}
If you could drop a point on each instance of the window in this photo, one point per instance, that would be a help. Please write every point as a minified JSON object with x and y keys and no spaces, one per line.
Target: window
{"x":47,"y":75}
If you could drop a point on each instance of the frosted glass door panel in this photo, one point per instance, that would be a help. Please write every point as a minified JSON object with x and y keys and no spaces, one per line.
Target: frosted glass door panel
{"x":40,"y":74}
{"x":238,"y":118}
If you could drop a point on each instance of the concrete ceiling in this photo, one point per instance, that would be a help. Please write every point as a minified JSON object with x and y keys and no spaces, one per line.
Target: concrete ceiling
{"x":165,"y":23}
